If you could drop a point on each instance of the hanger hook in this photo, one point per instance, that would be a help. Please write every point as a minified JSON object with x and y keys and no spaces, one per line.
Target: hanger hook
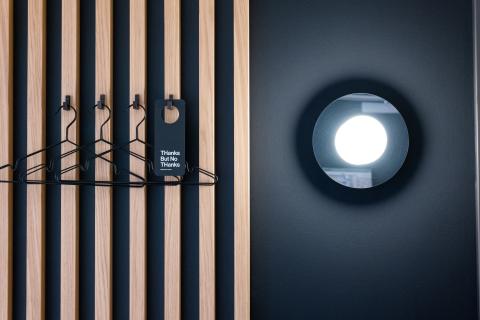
{"x":66,"y":106}
{"x":101,"y":106}
{"x":136,"y":105}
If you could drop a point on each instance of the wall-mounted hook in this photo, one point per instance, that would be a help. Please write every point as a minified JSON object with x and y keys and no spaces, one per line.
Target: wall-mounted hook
{"x":136,"y":102}
{"x":101,"y":102}
{"x":66,"y":103}
{"x":170,"y":102}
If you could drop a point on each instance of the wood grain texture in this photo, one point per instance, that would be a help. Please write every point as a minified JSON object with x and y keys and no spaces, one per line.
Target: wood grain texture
{"x":241,"y":57}
{"x":103,"y":171}
{"x":69,"y":221}
{"x":207,"y":158}
{"x":6,"y":156}
{"x":138,"y":200}
{"x":35,"y":294}
{"x":172,"y":205}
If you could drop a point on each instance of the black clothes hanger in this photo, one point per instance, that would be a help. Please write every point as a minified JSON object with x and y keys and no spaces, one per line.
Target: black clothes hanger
{"x":121,"y":177}
{"x":48,"y":166}
{"x":134,"y":180}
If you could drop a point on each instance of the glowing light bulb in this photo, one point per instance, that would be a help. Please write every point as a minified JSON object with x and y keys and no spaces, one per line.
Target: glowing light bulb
{"x":361,"y":140}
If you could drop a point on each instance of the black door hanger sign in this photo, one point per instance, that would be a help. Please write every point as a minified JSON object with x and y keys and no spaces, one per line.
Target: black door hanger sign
{"x":169,"y":142}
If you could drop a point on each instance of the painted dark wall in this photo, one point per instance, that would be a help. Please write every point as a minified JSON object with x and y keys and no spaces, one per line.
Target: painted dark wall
{"x":402,"y":251}
{"x":405,"y":250}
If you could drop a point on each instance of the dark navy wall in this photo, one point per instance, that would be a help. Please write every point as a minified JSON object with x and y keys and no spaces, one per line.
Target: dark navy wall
{"x":405,"y":250}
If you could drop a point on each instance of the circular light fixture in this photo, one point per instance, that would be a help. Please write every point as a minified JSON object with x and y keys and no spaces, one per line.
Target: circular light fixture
{"x":361,"y":140}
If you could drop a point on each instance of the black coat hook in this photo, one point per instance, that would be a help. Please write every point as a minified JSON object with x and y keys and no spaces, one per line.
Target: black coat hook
{"x":136,"y":102}
{"x":101,"y":102}
{"x":66,"y":103}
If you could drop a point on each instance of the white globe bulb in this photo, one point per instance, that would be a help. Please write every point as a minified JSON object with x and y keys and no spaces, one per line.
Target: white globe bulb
{"x":361,"y":140}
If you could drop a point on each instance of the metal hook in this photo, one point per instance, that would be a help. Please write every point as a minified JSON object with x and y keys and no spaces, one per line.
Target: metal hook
{"x":136,"y":106}
{"x":170,"y":102}
{"x":101,"y":102}
{"x":67,"y":129}
{"x":66,"y":106}
{"x":66,"y":103}
{"x":136,"y":102}
{"x":102,"y":106}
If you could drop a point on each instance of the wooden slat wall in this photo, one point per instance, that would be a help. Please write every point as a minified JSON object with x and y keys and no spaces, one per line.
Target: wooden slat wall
{"x":103,"y":195}
{"x":138,"y":200}
{"x":35,"y":295}
{"x":6,"y":153}
{"x":69,"y":194}
{"x":103,"y":171}
{"x":172,"y":210}
{"x":241,"y":134}
{"x":207,"y":158}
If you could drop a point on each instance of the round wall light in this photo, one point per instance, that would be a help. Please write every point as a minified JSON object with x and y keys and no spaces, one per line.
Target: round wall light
{"x":360,"y":140}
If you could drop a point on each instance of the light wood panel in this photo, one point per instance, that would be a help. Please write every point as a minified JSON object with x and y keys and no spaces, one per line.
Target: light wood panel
{"x":35,"y":294}
{"x":69,"y":194}
{"x":172,"y":231}
{"x":138,"y":230}
{"x":241,"y":120}
{"x":207,"y":158}
{"x":6,"y":154}
{"x":103,"y":171}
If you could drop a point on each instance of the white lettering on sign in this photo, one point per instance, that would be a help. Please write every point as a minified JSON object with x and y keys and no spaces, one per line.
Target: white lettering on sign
{"x":169,"y":159}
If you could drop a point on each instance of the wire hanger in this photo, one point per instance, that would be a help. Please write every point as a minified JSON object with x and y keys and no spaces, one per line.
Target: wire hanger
{"x":119,"y":173}
{"x":138,"y":181}
{"x":21,"y":176}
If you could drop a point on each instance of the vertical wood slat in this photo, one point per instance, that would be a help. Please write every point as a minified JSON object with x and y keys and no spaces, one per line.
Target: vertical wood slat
{"x":69,"y":231}
{"x":138,"y":231}
{"x":207,"y":158}
{"x":35,"y":295}
{"x":172,"y":205}
{"x":103,"y":171}
{"x":6,"y":156}
{"x":241,"y":160}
